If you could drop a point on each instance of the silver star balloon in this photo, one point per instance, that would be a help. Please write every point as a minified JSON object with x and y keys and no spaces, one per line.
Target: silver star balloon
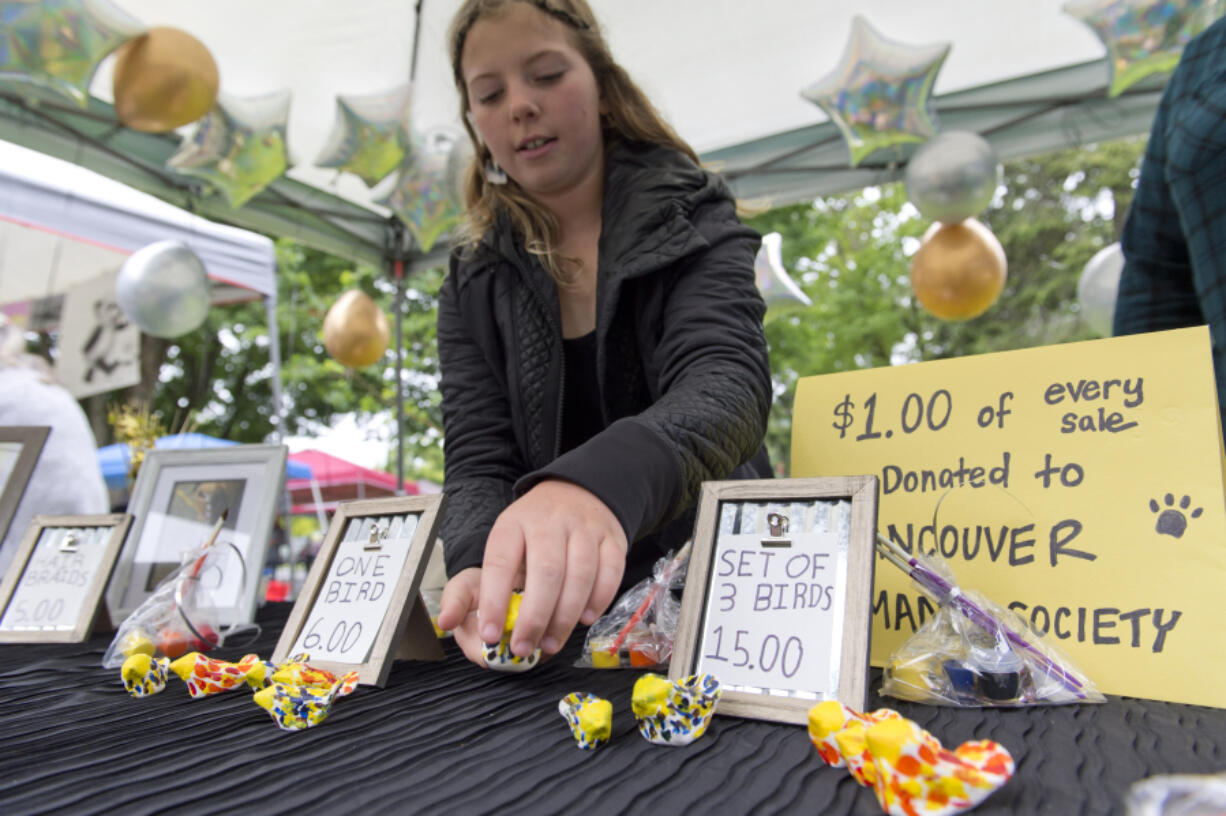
{"x":239,"y":147}
{"x":427,"y":195}
{"x":1144,"y":37}
{"x":775,"y":285}
{"x":58,"y":44}
{"x":371,"y":135}
{"x":879,"y":95}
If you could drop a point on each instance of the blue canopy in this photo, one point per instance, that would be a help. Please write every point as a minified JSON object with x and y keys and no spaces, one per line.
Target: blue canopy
{"x":114,"y":459}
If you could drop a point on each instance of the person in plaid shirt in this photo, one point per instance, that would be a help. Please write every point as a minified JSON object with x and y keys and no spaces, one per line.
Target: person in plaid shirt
{"x":1174,"y":238}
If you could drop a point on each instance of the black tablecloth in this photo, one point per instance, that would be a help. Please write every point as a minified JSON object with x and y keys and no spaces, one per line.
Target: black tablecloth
{"x":450,"y":738}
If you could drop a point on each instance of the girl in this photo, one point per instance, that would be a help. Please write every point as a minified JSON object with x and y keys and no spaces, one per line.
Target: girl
{"x":600,"y":335}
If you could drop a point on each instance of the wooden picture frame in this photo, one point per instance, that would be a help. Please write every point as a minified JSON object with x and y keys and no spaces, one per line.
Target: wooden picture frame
{"x":362,"y":533}
{"x":77,"y":555}
{"x":819,"y":592}
{"x":20,"y":447}
{"x":178,"y":497}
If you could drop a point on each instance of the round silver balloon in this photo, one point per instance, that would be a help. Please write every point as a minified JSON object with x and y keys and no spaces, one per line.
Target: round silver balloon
{"x":953,"y":177}
{"x":1098,"y":286}
{"x":164,"y":289}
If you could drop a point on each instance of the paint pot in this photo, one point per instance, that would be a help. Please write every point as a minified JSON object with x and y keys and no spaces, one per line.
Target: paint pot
{"x":999,"y":670}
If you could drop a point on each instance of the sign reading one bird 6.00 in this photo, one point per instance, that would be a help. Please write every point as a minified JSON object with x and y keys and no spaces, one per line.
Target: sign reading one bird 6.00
{"x":1080,"y":485}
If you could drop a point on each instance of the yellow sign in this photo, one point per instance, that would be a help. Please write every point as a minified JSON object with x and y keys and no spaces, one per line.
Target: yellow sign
{"x":1081,"y":485}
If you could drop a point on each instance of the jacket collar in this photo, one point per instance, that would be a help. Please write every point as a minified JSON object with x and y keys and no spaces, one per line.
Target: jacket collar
{"x":650,"y":192}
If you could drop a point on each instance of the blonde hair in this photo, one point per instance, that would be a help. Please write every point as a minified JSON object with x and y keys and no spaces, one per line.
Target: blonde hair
{"x":631,"y":117}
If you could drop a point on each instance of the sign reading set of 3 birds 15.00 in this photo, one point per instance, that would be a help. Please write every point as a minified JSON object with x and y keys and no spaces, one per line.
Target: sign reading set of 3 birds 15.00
{"x":776,"y":603}
{"x":52,"y":589}
{"x":360,"y":601}
{"x":1080,"y":485}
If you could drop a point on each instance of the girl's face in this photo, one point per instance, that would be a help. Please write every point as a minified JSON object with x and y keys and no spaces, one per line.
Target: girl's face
{"x":534,"y":101}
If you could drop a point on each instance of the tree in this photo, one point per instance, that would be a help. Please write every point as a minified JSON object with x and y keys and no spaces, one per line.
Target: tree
{"x":851,"y":255}
{"x":220,"y":376}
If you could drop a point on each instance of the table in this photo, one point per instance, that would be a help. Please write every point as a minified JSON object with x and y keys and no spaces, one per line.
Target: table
{"x":449,"y":738}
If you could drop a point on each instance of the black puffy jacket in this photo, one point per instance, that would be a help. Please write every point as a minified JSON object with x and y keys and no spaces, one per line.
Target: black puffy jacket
{"x":681,"y":362}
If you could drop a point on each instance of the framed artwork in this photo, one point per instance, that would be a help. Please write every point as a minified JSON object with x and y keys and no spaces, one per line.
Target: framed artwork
{"x":20,"y":447}
{"x":52,"y":590}
{"x":778,"y":597}
{"x":360,"y":607}
{"x":178,"y":498}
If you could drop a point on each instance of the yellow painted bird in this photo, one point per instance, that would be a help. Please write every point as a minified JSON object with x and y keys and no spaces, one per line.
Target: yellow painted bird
{"x":144,"y":674}
{"x":208,"y":675}
{"x":295,"y":708}
{"x":674,"y":712}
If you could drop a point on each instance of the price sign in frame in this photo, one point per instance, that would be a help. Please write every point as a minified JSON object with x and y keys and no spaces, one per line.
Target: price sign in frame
{"x":778,"y":705}
{"x":31,"y":438}
{"x":92,"y":594}
{"x":406,"y":626}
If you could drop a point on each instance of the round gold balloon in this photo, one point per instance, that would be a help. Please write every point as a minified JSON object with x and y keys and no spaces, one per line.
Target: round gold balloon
{"x":163,"y":79}
{"x":355,"y":330}
{"x":959,"y":270}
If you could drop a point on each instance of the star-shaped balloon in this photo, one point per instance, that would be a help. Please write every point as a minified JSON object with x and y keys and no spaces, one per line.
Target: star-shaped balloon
{"x":239,"y":147}
{"x":775,"y":285}
{"x":879,"y":95}
{"x":370,"y":137}
{"x":58,"y":44}
{"x":427,"y":196}
{"x":1144,"y":37}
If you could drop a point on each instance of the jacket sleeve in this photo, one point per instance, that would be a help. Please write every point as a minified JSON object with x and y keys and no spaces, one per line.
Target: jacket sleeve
{"x":480,"y":455}
{"x":715,"y":386}
{"x":1156,"y":290}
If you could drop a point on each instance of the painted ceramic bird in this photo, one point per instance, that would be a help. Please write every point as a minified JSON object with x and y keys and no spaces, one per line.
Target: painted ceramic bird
{"x":208,"y":675}
{"x":674,"y":712}
{"x":906,"y":766}
{"x":916,"y":774}
{"x":837,"y":733}
{"x":294,"y":672}
{"x":295,"y":708}
{"x":144,"y":674}
{"x":590,"y":718}
{"x":499,"y":656}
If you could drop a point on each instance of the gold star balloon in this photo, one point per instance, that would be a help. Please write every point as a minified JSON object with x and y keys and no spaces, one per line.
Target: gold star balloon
{"x":1144,"y":37}
{"x":58,"y":44}
{"x":427,"y":195}
{"x":370,"y":136}
{"x":239,"y":147}
{"x":879,"y":95}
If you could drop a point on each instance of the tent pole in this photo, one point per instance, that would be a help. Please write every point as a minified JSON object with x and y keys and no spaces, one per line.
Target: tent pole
{"x":398,"y":268}
{"x":274,"y":356}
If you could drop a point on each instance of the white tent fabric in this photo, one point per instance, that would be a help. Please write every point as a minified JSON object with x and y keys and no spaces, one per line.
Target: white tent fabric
{"x":722,"y":71}
{"x":60,"y":224}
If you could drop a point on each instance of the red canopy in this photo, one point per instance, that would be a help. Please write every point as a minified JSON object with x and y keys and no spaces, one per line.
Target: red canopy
{"x":339,"y":480}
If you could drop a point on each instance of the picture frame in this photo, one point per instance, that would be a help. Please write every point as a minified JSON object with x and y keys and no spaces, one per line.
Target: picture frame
{"x":52,"y":590}
{"x":178,"y":497}
{"x":20,"y":447}
{"x":778,"y":595}
{"x":360,"y":607}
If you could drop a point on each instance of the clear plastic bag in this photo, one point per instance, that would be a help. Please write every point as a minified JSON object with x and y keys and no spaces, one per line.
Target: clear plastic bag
{"x":181,"y":615}
{"x":974,"y":652}
{"x":1178,"y":795}
{"x":638,"y":630}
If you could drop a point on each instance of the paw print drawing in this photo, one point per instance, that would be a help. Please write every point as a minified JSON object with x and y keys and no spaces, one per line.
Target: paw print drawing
{"x":1174,"y":521}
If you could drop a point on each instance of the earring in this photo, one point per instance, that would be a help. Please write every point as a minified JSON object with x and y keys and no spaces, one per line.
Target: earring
{"x":493,"y":173}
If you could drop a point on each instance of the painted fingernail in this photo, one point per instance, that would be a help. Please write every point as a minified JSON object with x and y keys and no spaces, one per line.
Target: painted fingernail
{"x":490,"y":634}
{"x":549,"y":644}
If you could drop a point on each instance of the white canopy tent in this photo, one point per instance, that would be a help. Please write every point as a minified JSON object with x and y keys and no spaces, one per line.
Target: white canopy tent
{"x":61,"y":224}
{"x":726,"y":73}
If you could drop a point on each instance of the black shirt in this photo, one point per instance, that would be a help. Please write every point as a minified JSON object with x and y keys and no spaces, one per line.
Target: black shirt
{"x":581,"y":419}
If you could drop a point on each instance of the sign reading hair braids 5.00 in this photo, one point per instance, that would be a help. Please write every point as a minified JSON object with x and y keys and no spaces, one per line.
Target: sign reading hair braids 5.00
{"x":1080,"y":485}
